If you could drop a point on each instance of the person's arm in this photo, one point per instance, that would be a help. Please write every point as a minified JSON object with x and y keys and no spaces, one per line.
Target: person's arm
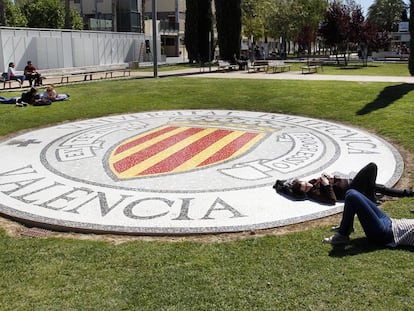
{"x":328,"y":194}
{"x":322,"y":191}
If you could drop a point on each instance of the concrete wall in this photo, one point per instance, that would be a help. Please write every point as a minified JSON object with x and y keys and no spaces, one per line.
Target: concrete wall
{"x":49,"y":48}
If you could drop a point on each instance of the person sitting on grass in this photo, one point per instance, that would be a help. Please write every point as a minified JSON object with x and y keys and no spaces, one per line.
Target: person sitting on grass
{"x":329,"y":189}
{"x":51,"y":94}
{"x":379,"y":228}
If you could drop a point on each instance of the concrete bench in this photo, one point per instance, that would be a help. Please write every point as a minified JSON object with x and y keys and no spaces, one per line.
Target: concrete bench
{"x":258,"y":65}
{"x":86,"y":73}
{"x":275,"y":67}
{"x":6,"y":81}
{"x":224,"y":65}
{"x":311,"y":68}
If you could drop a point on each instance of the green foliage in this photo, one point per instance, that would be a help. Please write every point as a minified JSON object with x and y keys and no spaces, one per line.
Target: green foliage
{"x":40,"y":14}
{"x":254,"y":18}
{"x":345,"y":29}
{"x":14,"y":16}
{"x":76,"y":19}
{"x":386,"y":15}
{"x":44,"y":13}
{"x":295,"y":21}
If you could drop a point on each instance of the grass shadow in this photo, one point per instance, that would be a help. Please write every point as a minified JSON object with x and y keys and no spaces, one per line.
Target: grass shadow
{"x":360,"y":246}
{"x":388,"y":96}
{"x":356,"y":247}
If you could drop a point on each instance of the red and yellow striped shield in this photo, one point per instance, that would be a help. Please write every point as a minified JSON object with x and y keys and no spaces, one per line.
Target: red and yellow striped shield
{"x":176,"y":148}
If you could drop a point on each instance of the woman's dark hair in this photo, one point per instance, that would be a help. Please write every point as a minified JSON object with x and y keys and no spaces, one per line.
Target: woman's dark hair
{"x":295,"y":185}
{"x":290,"y":188}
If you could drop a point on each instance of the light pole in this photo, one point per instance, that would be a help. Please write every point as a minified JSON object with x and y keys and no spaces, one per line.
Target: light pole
{"x":154,"y":38}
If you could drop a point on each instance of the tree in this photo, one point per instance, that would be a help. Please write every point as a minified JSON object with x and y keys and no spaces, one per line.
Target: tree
{"x":386,"y":14}
{"x":411,"y":27}
{"x":228,"y":23}
{"x":48,"y":14}
{"x":68,"y":22}
{"x":254,"y":18}
{"x":309,"y":13}
{"x":14,"y":16}
{"x":280,"y":20}
{"x":206,"y":31}
{"x":198,"y":29}
{"x":344,"y":28}
{"x":44,"y":14}
{"x":335,"y":27}
{"x":362,"y":33}
{"x":2,"y":13}
{"x":191,"y":30}
{"x":76,"y":20}
{"x":143,"y":2}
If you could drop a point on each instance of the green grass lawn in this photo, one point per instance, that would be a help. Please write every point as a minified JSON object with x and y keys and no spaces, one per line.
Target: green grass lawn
{"x":372,"y":69}
{"x":354,"y":68}
{"x":288,"y":272}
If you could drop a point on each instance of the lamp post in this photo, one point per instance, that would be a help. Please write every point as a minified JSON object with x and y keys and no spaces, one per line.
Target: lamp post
{"x":154,"y":38}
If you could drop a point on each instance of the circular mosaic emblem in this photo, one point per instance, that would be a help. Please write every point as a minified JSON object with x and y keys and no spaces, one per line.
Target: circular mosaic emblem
{"x":179,"y":172}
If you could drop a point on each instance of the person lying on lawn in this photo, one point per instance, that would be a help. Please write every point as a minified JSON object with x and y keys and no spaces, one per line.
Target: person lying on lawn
{"x":379,"y":228}
{"x":329,"y":189}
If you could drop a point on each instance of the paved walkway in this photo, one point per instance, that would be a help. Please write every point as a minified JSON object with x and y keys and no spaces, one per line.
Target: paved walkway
{"x":291,"y":75}
{"x":196,"y":72}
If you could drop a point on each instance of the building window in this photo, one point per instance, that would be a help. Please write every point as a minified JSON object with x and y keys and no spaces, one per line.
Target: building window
{"x":134,"y":5}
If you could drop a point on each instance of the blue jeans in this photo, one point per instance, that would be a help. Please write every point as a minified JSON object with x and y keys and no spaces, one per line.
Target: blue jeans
{"x":376,"y":224}
{"x":19,"y":77}
{"x":5,"y":100}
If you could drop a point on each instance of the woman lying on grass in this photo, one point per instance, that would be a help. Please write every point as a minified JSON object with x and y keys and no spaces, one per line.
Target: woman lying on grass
{"x":378,"y":227}
{"x":330,"y":189}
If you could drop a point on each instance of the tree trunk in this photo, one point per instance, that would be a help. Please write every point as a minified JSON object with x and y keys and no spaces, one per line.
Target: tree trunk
{"x":411,"y":27}
{"x":114,"y":19}
{"x":228,"y":18}
{"x":142,"y":16}
{"x":2,"y":14}
{"x":68,"y":22}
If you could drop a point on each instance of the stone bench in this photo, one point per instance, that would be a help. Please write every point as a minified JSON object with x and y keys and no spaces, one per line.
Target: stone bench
{"x":87,"y":73}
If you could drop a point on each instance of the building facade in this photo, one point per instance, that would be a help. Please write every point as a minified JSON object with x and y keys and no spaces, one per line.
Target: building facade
{"x":171,"y":17}
{"x":110,"y":15}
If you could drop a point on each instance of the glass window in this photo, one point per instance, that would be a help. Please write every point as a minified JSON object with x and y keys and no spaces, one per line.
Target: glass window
{"x":134,"y":5}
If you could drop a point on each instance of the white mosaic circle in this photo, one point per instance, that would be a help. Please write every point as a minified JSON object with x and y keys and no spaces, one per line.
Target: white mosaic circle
{"x":179,"y":172}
